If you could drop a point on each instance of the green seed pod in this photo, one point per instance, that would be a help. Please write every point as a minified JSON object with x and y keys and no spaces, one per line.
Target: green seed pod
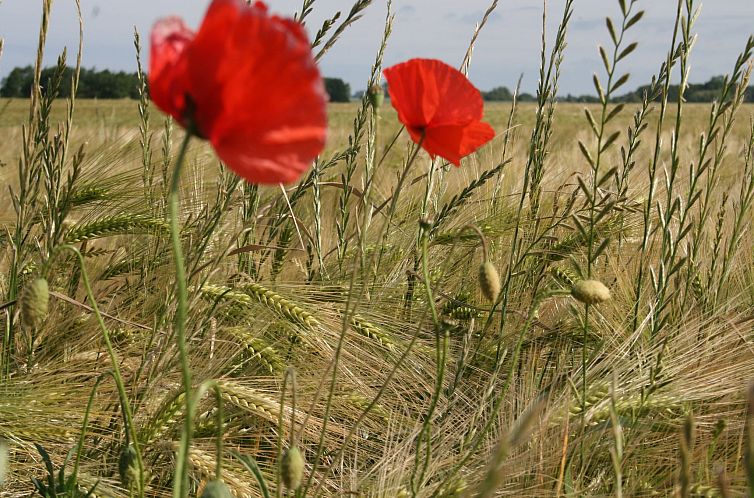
{"x":216,"y":489}
{"x":293,"y":468}
{"x":35,"y":300}
{"x":376,"y":96}
{"x":489,"y":281}
{"x":590,"y":292}
{"x":128,"y":467}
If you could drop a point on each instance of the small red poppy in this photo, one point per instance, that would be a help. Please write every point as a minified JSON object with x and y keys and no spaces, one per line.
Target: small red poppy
{"x":248,"y":83}
{"x":440,"y":108}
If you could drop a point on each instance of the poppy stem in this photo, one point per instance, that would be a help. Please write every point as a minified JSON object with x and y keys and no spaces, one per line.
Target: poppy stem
{"x":180,"y":482}
{"x":131,"y":434}
{"x":394,"y":200}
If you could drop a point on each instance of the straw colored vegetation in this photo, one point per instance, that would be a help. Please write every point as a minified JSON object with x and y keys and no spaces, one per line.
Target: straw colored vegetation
{"x":409,"y":381}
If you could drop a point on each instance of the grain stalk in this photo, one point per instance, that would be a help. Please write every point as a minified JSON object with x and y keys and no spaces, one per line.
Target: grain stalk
{"x":599,"y":210}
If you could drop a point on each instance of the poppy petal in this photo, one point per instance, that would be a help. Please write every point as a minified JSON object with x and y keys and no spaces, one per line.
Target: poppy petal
{"x":277,"y":156}
{"x":412,"y":92}
{"x":455,"y":142}
{"x":428,"y":92}
{"x":168,"y":81}
{"x":247,"y":82}
{"x":208,"y":60}
{"x":277,"y":105}
{"x":461,"y":101}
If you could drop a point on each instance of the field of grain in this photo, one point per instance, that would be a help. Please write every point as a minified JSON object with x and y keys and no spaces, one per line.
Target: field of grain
{"x":568,"y":313}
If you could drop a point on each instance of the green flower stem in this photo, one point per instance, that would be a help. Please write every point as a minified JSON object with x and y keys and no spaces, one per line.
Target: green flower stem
{"x":125,"y":405}
{"x":220,"y":430}
{"x":441,"y":345}
{"x":394,"y":200}
{"x":180,"y":483}
{"x":85,"y":425}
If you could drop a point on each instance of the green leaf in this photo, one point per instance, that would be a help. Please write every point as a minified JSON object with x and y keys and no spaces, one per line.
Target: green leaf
{"x":585,"y":189}
{"x":626,"y":51}
{"x":251,"y":466}
{"x":610,"y":140}
{"x":585,"y":153}
{"x":620,"y":82}
{"x":636,"y":18}
{"x":616,"y":110}
{"x":605,"y":177}
{"x":592,"y":122}
{"x":598,"y":87}
{"x":611,"y":30}
{"x":605,"y":59}
{"x":601,"y":248}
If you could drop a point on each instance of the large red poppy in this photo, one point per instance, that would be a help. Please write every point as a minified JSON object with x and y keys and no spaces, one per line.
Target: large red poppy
{"x":248,"y":83}
{"x":440,"y":108}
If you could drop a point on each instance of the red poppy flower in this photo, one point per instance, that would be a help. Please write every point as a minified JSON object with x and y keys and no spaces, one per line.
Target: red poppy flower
{"x":440,"y":108}
{"x":248,"y":83}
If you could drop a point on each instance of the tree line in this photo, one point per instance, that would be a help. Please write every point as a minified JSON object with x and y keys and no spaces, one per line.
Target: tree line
{"x":695,"y":92}
{"x":93,"y":84}
{"x":106,"y":84}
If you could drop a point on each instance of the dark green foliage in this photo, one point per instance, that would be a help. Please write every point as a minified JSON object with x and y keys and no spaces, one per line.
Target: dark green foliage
{"x":699,"y":92}
{"x":500,"y":93}
{"x":338,"y":90}
{"x":18,"y":82}
{"x":58,"y":485}
{"x":503,"y":94}
{"x":92,"y":83}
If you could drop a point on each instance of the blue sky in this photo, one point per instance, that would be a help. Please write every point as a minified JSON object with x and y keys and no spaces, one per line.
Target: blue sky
{"x":508,"y":46}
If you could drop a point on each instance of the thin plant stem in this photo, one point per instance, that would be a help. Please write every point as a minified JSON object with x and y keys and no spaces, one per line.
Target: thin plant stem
{"x":85,"y":424}
{"x":279,"y":470}
{"x":394,"y":201}
{"x":220,"y":430}
{"x":180,"y":483}
{"x":441,"y":349}
{"x":125,"y":405}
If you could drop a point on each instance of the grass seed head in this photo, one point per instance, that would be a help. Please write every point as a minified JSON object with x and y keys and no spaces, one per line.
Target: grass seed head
{"x":293,"y":468}
{"x":590,"y":292}
{"x":489,"y":281}
{"x":35,"y":300}
{"x":216,"y":489}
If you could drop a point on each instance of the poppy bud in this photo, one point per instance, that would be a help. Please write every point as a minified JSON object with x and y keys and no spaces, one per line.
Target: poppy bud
{"x":426,"y":223}
{"x":590,"y":292}
{"x":489,"y":281}
{"x":216,"y":489}
{"x":127,"y":467}
{"x":376,"y":96}
{"x":293,"y":468}
{"x":35,"y":300}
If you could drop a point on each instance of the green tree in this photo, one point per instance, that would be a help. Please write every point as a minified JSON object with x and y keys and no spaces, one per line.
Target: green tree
{"x":17,"y":83}
{"x":338,"y":90}
{"x":498,"y":94}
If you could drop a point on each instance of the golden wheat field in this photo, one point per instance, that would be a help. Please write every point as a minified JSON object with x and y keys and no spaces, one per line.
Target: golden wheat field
{"x":569,"y":313}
